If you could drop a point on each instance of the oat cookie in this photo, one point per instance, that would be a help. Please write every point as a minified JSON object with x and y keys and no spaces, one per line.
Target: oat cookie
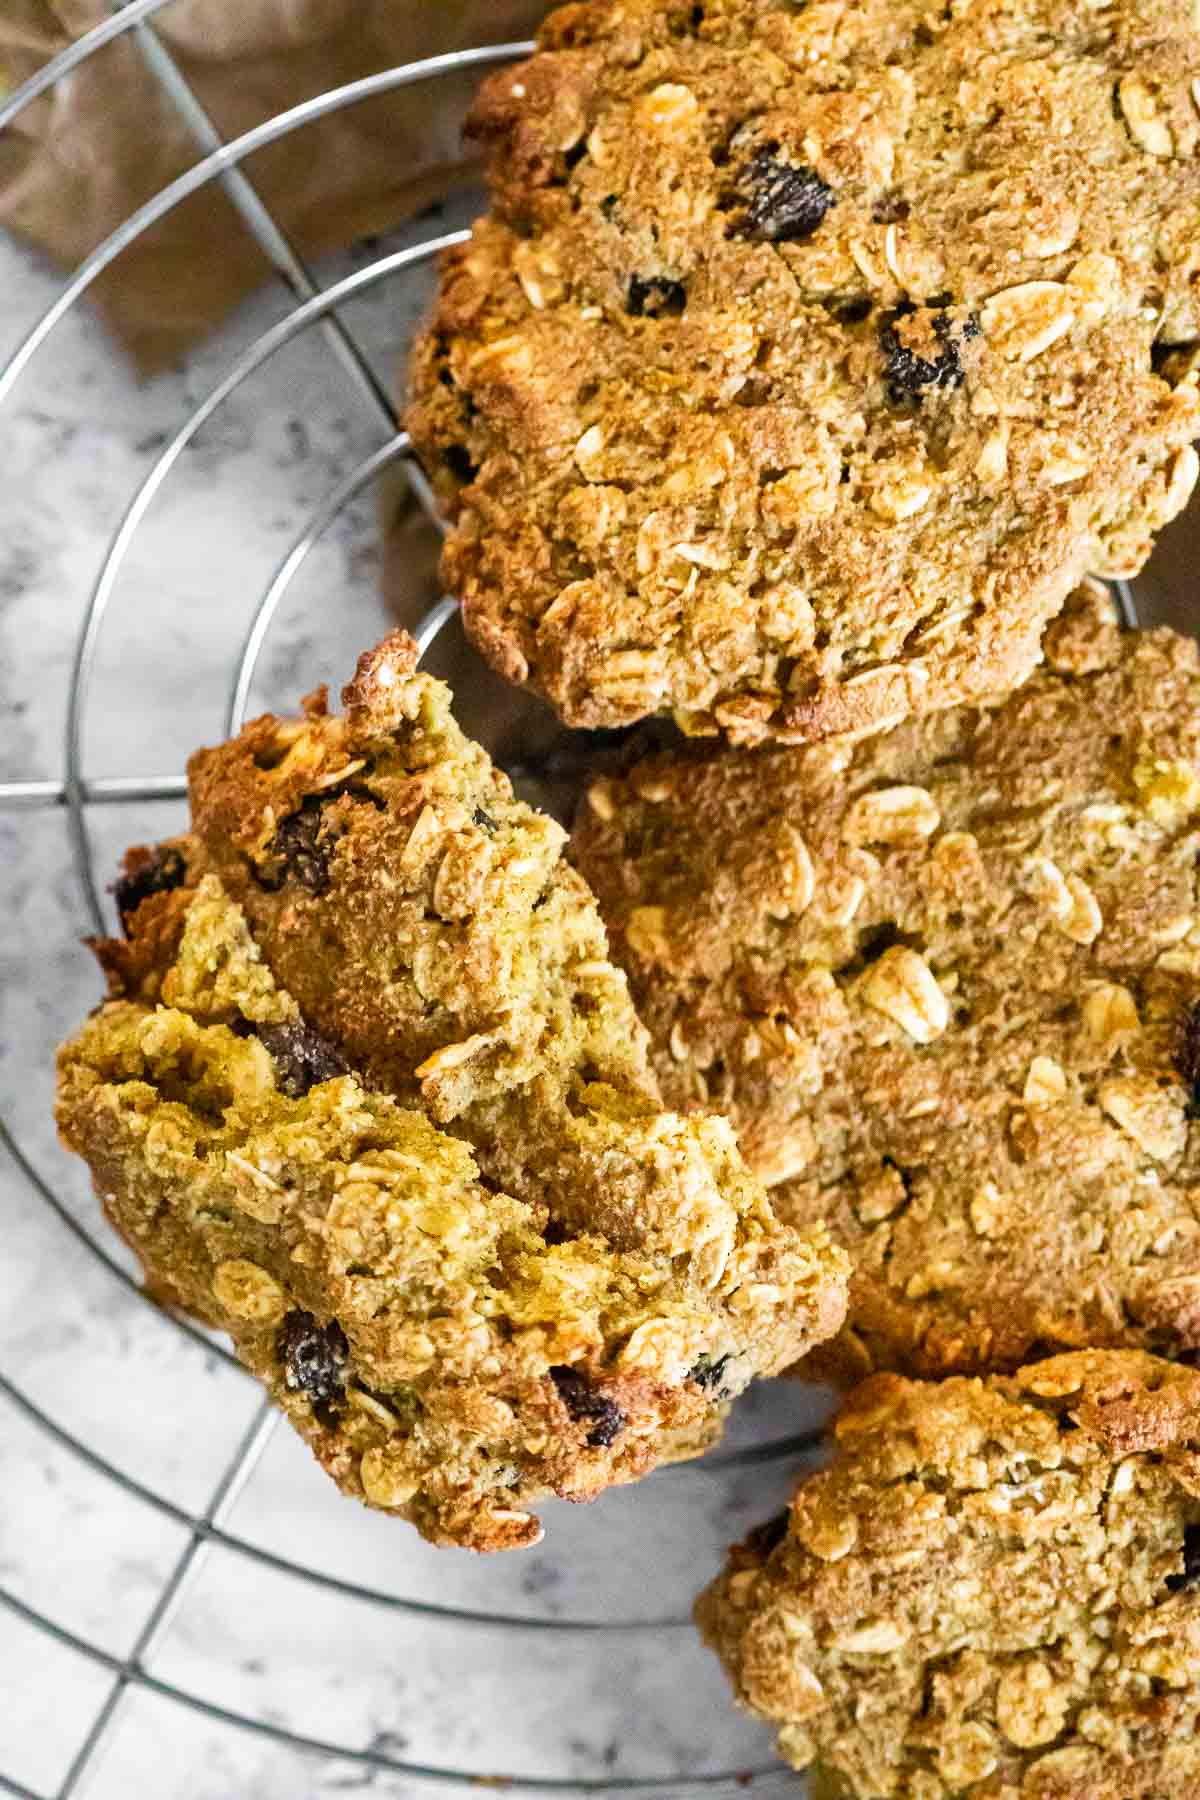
{"x":812,"y":352}
{"x":369,"y":1095}
{"x":993,"y":1592}
{"x":946,"y":985}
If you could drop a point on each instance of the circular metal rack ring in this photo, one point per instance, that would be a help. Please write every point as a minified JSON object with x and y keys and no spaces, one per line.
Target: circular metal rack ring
{"x":316,"y":308}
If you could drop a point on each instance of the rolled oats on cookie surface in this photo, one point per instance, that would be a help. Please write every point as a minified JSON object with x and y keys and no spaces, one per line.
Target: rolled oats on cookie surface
{"x":945,"y":983}
{"x":369,"y":1095}
{"x":993,"y":1591}
{"x":810,"y":354}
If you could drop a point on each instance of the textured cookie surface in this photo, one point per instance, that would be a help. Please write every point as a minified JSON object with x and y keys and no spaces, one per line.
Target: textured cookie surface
{"x":946,"y":985}
{"x":365,"y":953}
{"x":810,"y":353}
{"x":993,"y":1592}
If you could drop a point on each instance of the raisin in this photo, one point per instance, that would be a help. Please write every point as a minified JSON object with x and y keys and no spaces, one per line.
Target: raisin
{"x":783,"y":203}
{"x":302,"y":1058}
{"x":298,"y":847}
{"x":460,"y":463}
{"x":765,"y":1538}
{"x":314,"y":1357}
{"x":890,"y":210}
{"x":909,"y":374}
{"x":147,"y":872}
{"x":583,"y":1402}
{"x":1191,"y":1561}
{"x":655,"y":297}
{"x":1187,"y":1053}
{"x":851,"y":311}
{"x":874,"y":940}
{"x":485,"y":821}
{"x":709,"y":1375}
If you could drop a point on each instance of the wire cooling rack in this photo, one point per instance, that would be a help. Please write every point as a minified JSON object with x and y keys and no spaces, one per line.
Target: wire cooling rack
{"x":186,"y":1606}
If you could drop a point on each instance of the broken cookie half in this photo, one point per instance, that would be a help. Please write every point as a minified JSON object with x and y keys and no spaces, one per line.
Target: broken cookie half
{"x":368,"y":1095}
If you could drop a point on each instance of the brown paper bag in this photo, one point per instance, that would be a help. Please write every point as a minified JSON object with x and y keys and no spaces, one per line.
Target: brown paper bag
{"x":87,"y":154}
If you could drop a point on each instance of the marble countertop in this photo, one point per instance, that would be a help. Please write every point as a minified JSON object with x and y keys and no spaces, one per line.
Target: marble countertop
{"x":116,"y":1427}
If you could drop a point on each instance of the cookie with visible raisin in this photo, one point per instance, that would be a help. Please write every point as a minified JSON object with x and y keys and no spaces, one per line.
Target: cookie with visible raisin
{"x":810,"y":354}
{"x":147,"y":872}
{"x":378,"y":1105}
{"x":990,"y":1593}
{"x":945,"y":983}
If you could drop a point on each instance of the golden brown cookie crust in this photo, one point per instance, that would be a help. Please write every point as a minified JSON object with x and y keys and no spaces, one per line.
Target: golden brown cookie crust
{"x":365,"y":939}
{"x":993,"y":1592}
{"x":809,"y":355}
{"x":945,"y":985}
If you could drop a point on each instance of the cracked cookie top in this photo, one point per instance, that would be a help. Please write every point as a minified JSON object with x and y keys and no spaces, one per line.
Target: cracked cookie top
{"x":811,"y":353}
{"x":946,"y":985}
{"x":369,"y":1095}
{"x":993,"y":1592}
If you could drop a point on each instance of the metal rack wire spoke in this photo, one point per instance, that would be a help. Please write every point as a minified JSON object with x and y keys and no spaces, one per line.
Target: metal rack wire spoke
{"x":212,"y":166}
{"x":115,"y":791}
{"x":8,"y":1786}
{"x":170,"y":1596}
{"x":58,"y":67}
{"x":258,"y":353}
{"x":128,"y":1671}
{"x":351,"y":1590}
{"x":290,"y":566}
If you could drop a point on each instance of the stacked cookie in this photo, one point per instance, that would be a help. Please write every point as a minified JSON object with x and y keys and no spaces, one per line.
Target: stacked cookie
{"x":813,"y":362}
{"x":946,"y":982}
{"x":812,"y":352}
{"x":991,"y":1593}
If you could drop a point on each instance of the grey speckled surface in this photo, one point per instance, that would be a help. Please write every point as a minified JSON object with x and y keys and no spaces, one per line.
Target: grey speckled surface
{"x":79,"y":1342}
